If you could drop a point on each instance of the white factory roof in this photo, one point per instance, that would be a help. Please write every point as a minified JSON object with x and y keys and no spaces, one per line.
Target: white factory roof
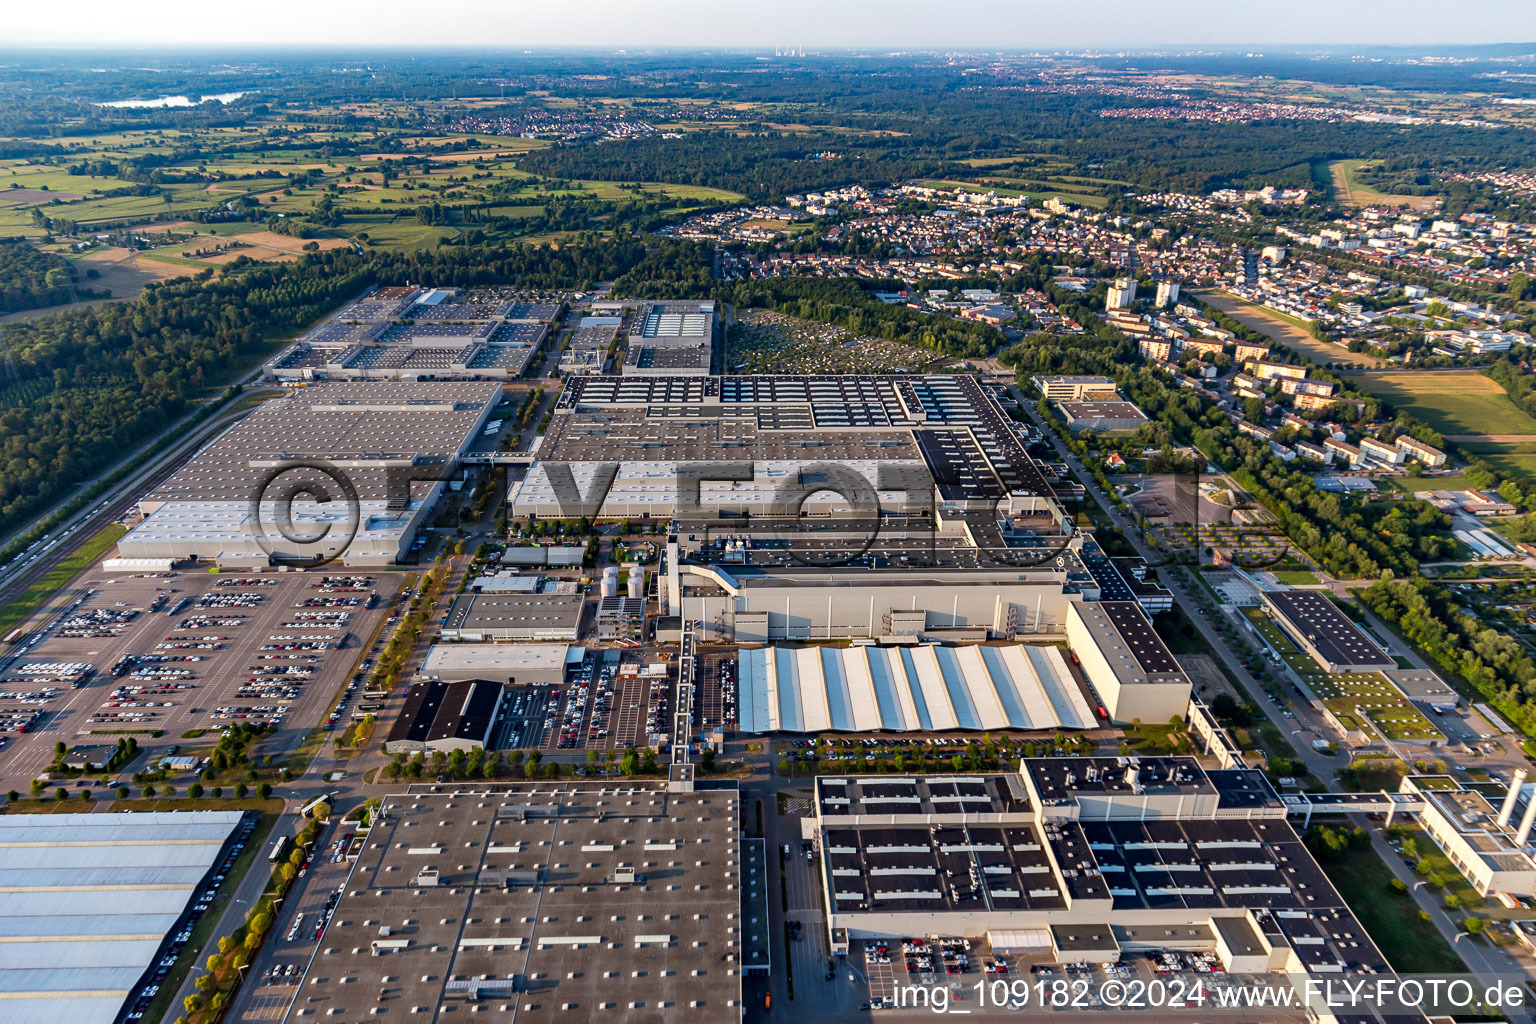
{"x":86,"y":901}
{"x":904,"y":689}
{"x":498,"y":659}
{"x":508,"y":584}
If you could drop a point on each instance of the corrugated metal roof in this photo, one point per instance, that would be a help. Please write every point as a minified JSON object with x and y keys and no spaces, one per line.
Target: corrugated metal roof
{"x":97,"y":893}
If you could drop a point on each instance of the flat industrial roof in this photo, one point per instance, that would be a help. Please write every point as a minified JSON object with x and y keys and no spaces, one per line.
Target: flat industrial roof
{"x":946,"y":425}
{"x":531,"y":912}
{"x":512,"y":612}
{"x":495,"y":661}
{"x":1169,"y":867}
{"x":1104,"y":409}
{"x":1323,"y":624}
{"x":1124,"y":633}
{"x":864,"y":796}
{"x":361,"y":428}
{"x":1061,"y":779}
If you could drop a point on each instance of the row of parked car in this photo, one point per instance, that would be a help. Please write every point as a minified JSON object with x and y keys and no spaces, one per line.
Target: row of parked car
{"x":202,"y":902}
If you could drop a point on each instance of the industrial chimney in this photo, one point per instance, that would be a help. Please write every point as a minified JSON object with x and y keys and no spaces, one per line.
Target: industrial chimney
{"x":1507,"y":809}
{"x":1526,"y":821}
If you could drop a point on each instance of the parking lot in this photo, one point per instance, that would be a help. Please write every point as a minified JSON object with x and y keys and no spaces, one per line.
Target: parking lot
{"x":605,"y":704}
{"x":169,"y":653}
{"x":139,"y":1002}
{"x":715,"y":707}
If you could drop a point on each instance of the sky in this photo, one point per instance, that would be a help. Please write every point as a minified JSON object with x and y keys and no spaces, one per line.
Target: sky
{"x":875,"y":24}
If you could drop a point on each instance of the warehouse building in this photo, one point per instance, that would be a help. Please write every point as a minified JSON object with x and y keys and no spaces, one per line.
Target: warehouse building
{"x":1320,"y":627}
{"x":520,"y":664}
{"x":1102,"y":415}
{"x":1126,"y":662}
{"x":547,"y":903}
{"x":1491,"y":844}
{"x":445,"y":716}
{"x":1074,"y":389}
{"x":671,"y":339}
{"x":390,"y":446}
{"x":418,"y":334}
{"x":88,"y":900}
{"x":503,"y":616}
{"x":909,"y":689}
{"x":819,"y":507}
{"x":1082,"y":860}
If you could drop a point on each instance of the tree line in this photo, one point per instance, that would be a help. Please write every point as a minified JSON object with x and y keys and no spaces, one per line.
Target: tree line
{"x":31,"y":278}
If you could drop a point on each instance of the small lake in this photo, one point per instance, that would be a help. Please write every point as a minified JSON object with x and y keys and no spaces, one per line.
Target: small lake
{"x":174,"y":101}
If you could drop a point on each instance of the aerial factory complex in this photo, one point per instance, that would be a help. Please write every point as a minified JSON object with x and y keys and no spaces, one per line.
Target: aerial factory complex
{"x":773,"y":533}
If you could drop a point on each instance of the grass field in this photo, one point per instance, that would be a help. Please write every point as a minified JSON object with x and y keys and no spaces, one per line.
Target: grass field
{"x":1285,"y":330}
{"x":33,"y":598}
{"x":1351,"y":192}
{"x":1519,"y":464}
{"x":290,"y":177}
{"x":1454,"y":402}
{"x":1391,"y":920}
{"x":1455,"y":882}
{"x":1297,"y":579}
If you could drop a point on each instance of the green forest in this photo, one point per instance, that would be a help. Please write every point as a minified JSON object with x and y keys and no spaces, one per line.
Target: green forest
{"x":31,"y":278}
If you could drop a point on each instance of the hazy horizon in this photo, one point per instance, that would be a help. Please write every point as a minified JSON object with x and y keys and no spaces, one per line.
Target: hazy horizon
{"x":984,"y":26}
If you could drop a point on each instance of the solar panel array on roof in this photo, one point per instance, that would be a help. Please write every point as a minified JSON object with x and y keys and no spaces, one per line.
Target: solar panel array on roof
{"x":1322,"y":624}
{"x":368,"y":424}
{"x":1136,"y":630}
{"x":405,"y":334}
{"x":1112,"y":586}
{"x":1206,"y":864}
{"x":941,"y":868}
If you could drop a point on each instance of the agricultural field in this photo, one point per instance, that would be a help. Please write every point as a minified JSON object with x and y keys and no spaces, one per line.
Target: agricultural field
{"x":330,"y":188}
{"x":763,"y":341}
{"x":1463,"y":405}
{"x":1286,"y":331}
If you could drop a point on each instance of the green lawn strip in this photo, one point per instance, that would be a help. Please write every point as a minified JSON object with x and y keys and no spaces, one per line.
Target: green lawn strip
{"x":1450,"y":876}
{"x":1344,"y":692}
{"x":1410,"y":944}
{"x":35,"y":596}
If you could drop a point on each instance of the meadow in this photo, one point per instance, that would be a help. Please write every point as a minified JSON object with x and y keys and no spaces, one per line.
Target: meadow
{"x":1458,"y":403}
{"x":1352,"y":192}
